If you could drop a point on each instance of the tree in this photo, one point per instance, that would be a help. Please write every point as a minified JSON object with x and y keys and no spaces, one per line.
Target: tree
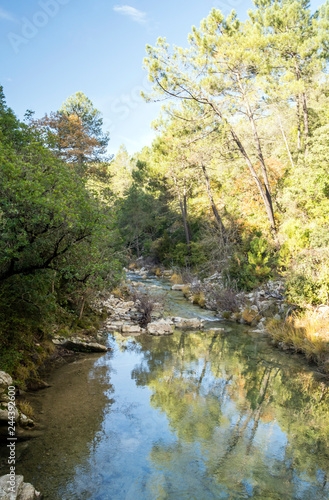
{"x":295,"y":51}
{"x":56,"y":236}
{"x":74,"y":133}
{"x":188,"y":153}
{"x":82,"y":107}
{"x":219,"y":72}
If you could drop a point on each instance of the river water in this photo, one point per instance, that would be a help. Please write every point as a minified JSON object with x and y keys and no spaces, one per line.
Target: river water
{"x":196,"y":415}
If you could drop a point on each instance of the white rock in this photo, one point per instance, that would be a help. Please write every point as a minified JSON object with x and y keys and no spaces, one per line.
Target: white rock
{"x":126,"y":328}
{"x":161,"y":327}
{"x":4,"y":413}
{"x":178,"y":287}
{"x":114,"y":326}
{"x":188,"y":323}
{"x":22,"y":491}
{"x":5,"y":381}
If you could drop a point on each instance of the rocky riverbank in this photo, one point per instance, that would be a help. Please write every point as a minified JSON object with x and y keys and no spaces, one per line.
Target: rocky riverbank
{"x":12,"y":486}
{"x":265,"y":309}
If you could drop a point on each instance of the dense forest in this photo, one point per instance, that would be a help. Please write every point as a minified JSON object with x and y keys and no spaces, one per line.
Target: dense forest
{"x":235,"y":182}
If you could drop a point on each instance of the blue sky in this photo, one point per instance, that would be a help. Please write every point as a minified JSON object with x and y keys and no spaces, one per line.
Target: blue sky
{"x":50,"y":49}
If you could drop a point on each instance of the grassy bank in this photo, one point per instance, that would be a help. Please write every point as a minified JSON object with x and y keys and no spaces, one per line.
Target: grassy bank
{"x":307,"y":333}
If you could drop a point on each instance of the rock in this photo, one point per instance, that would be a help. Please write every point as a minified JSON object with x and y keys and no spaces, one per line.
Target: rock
{"x":4,"y":413}
{"x":167,"y":273}
{"x":322,"y":310}
{"x":178,"y":287}
{"x":161,"y":327}
{"x":14,"y":488}
{"x":5,"y":381}
{"x":155,"y":315}
{"x":213,"y":330}
{"x":114,"y":326}
{"x":25,"y":421}
{"x":126,"y":328}
{"x":78,"y":345}
{"x":188,"y":323}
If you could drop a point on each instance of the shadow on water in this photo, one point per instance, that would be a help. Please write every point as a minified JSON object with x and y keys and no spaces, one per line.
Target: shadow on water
{"x":202,"y":415}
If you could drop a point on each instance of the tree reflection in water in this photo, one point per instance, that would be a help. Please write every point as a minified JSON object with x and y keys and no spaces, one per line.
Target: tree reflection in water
{"x":255,"y":424}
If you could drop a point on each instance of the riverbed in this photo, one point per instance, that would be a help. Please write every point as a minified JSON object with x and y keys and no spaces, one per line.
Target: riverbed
{"x":195,"y":415}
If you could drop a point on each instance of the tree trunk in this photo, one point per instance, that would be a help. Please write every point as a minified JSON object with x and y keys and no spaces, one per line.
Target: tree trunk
{"x":183,"y":209}
{"x":305,"y":115}
{"x":264,"y":190}
{"x":185,"y":212}
{"x":285,"y":141}
{"x":82,"y":307}
{"x":299,"y":145}
{"x":213,"y":206}
{"x":302,"y":98}
{"x":137,"y":246}
{"x":264,"y":195}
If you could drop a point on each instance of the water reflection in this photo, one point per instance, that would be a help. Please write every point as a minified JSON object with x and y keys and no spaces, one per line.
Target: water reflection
{"x":195,"y":415}
{"x":250,"y":422}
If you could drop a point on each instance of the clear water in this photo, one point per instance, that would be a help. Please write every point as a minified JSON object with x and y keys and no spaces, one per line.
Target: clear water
{"x":206,"y":415}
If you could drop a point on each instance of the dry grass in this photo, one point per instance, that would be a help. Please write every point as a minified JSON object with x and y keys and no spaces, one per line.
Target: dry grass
{"x":26,"y":408}
{"x":199,"y":299}
{"x":307,"y":333}
{"x":249,"y":315}
{"x":177,"y":279}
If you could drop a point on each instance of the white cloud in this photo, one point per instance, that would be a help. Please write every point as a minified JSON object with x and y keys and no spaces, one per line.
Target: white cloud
{"x":134,"y":14}
{"x":6,"y":15}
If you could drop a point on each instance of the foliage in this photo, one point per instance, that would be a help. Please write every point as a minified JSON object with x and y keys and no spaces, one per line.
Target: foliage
{"x":58,"y":239}
{"x":74,"y":133}
{"x":252,"y":263}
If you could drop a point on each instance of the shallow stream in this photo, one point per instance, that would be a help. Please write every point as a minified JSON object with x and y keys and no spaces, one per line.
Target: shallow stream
{"x":196,"y":415}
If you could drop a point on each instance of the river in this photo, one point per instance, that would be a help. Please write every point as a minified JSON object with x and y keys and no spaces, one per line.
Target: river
{"x":196,"y":415}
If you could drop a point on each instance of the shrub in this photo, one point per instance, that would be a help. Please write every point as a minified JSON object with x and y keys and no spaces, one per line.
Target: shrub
{"x":144,"y":304}
{"x":252,"y":264}
{"x":224,"y":299}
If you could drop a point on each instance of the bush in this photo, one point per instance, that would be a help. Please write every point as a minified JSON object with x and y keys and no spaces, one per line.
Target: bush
{"x":224,"y":299}
{"x":308,"y":278}
{"x":144,"y":303}
{"x":252,"y":264}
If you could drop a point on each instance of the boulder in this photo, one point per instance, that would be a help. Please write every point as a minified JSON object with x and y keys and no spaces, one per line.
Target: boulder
{"x":14,"y":488}
{"x":178,"y":287}
{"x":323,"y":311}
{"x":79,"y":345}
{"x":5,"y":381}
{"x":25,"y":421}
{"x":4,"y":413}
{"x":114,"y":326}
{"x":167,"y":273}
{"x":188,"y":323}
{"x":131,"y":329}
{"x":161,"y":327}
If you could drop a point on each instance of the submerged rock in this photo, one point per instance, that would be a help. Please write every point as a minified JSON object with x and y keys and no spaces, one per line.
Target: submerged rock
{"x":13,"y":488}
